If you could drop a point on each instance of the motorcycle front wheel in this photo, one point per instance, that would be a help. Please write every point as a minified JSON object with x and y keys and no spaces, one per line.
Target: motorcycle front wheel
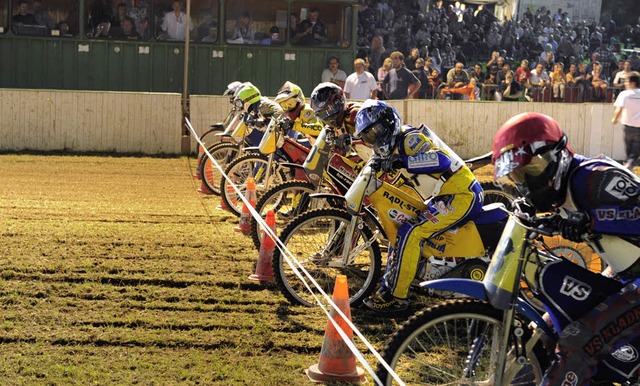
{"x":456,"y":343}
{"x":240,"y":169}
{"x":223,"y":153}
{"x":316,"y":239}
{"x":287,"y":200}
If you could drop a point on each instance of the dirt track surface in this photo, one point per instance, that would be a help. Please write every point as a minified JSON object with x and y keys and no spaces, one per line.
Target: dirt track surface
{"x":114,"y":271}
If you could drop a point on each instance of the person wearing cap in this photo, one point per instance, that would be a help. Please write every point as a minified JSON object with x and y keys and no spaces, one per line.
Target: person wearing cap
{"x":361,"y":84}
{"x":312,"y":31}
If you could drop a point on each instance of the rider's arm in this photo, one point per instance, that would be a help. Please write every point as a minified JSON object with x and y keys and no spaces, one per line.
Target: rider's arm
{"x":421,"y":156}
{"x":613,"y":202}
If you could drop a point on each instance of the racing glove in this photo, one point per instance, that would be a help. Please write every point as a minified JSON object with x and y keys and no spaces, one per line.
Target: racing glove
{"x":389,"y":164}
{"x":573,"y":227}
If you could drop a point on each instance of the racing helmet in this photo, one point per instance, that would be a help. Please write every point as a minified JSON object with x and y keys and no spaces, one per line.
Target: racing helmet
{"x":291,"y":99}
{"x":531,"y":150}
{"x":232,"y":88}
{"x":328,"y":102}
{"x":378,"y":124}
{"x":247,"y":95}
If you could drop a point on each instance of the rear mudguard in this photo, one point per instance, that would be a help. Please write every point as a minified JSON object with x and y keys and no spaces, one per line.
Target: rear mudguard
{"x":475,"y":289}
{"x":218,"y":125}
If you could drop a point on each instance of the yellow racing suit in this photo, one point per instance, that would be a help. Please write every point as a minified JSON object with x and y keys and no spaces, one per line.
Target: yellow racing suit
{"x":449,"y":189}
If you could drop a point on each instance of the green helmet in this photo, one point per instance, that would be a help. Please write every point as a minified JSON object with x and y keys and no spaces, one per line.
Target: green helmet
{"x":248,"y":94}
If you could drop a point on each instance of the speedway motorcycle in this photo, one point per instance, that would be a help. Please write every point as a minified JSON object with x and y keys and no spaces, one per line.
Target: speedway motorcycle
{"x":328,"y":242}
{"x":495,"y":336}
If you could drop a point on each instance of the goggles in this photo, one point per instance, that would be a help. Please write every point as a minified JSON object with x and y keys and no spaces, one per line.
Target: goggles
{"x":373,"y":134}
{"x":289,"y":104}
{"x":535,"y":168}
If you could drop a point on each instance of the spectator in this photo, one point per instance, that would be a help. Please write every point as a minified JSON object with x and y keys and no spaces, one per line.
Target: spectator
{"x":492,"y":65}
{"x":333,"y":73}
{"x":607,"y":59}
{"x":539,"y":77}
{"x":510,"y":90}
{"x":313,"y":30}
{"x":548,"y":62}
{"x":448,"y":59}
{"x":410,"y":61}
{"x":621,"y":76}
{"x":523,"y":72}
{"x":558,"y":82}
{"x":377,"y":53}
{"x":457,"y":77}
{"x":65,"y":30}
{"x":434,"y":83}
{"x":583,"y":80}
{"x":627,"y":112}
{"x":489,"y":87}
{"x":23,"y":17}
{"x":244,"y":31}
{"x":501,"y":75}
{"x":423,"y":76}
{"x":382,"y":73}
{"x":293,"y":28}
{"x":598,"y":83}
{"x":140,"y":14}
{"x":173,"y":23}
{"x":116,"y":21}
{"x":360,"y":85}
{"x":128,"y":30}
{"x":477,"y":74}
{"x":396,"y":83}
{"x":42,"y":16}
{"x":212,"y":35}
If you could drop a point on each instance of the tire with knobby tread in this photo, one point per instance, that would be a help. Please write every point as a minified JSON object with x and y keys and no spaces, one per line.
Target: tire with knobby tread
{"x":223,"y":153}
{"x":362,"y":275}
{"x":438,"y":364}
{"x":269,"y":196}
{"x":229,"y":196}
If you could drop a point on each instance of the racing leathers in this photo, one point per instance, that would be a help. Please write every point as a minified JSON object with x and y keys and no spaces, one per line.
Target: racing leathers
{"x":450,"y":191}
{"x":609,"y":196}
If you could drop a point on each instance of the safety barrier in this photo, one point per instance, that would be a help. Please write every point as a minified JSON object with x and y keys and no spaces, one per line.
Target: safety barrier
{"x":150,"y":123}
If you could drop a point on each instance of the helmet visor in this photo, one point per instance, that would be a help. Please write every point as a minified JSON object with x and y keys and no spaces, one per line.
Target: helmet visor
{"x":374,"y":134}
{"x":328,"y":111}
{"x":535,"y":168}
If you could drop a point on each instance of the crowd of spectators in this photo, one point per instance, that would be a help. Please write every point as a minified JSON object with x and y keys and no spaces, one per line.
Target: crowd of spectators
{"x":541,"y":56}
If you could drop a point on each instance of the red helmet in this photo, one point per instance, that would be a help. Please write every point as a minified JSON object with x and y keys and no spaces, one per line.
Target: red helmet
{"x":532,"y":150}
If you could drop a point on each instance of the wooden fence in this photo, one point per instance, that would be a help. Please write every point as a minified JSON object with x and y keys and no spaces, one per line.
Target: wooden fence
{"x":149,"y":123}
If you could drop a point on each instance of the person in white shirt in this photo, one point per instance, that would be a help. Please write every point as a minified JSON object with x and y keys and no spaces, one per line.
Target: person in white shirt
{"x":361,"y":84}
{"x":174,"y":22}
{"x":627,"y":112}
{"x":333,"y":73}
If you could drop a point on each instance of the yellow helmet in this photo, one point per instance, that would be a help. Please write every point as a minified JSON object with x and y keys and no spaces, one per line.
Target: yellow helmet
{"x":290,"y":97}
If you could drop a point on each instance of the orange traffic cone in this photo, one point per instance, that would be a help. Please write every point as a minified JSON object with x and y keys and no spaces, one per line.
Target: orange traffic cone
{"x":208,"y":174}
{"x":264,"y":271}
{"x":337,"y":362}
{"x":245,"y":215}
{"x":230,"y":192}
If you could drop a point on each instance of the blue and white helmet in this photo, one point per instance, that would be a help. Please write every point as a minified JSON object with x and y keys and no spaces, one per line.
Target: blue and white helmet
{"x":378,"y":124}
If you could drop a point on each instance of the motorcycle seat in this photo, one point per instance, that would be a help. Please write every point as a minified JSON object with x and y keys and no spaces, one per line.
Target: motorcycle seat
{"x":490,"y":213}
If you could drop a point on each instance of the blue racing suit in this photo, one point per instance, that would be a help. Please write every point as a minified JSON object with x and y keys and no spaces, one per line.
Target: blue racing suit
{"x":451,"y":193}
{"x":609,"y":194}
